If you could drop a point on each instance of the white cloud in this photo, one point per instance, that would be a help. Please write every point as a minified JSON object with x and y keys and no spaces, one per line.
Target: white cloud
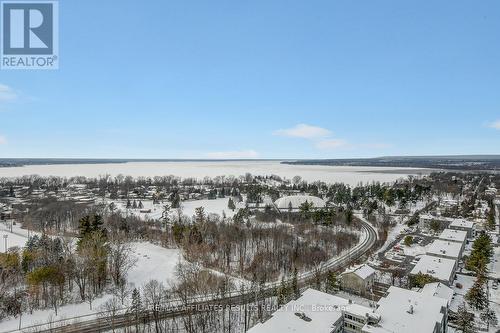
{"x":3,"y":140}
{"x":304,"y":131}
{"x":376,"y":145}
{"x":495,"y":125}
{"x":332,"y":144}
{"x":243,"y":154}
{"x":7,"y":94}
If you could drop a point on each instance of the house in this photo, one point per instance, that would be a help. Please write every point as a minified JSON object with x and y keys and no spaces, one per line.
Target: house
{"x":358,"y":279}
{"x":445,"y":249}
{"x":409,"y":311}
{"x":314,"y":311}
{"x":442,"y":269}
{"x":464,"y":225}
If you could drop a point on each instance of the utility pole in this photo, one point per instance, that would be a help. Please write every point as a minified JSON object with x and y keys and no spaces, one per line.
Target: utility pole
{"x":5,"y":240}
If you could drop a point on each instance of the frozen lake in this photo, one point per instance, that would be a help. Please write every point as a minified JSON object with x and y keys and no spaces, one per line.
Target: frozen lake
{"x":200,"y":169}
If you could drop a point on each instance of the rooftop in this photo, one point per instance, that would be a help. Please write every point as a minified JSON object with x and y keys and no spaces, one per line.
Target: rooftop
{"x":441,"y":247}
{"x":439,"y":268}
{"x":453,"y":235}
{"x":321,"y":311}
{"x":363,"y":271}
{"x":439,"y":290}
{"x":396,"y":315}
{"x":459,"y":223}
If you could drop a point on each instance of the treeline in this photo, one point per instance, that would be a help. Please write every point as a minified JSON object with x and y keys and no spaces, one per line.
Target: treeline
{"x":53,"y":271}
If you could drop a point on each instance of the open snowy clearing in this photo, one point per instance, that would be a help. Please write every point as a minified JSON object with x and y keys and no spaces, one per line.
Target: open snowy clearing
{"x":188,"y":208}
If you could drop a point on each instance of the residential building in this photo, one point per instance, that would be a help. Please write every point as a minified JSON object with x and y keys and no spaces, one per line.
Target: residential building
{"x":409,"y":311}
{"x":442,"y":269}
{"x":358,"y":279}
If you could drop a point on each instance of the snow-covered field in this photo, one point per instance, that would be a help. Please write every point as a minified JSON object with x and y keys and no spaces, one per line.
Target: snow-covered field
{"x":17,"y":237}
{"x":188,"y":208}
{"x":200,"y":169}
{"x":154,"y":263}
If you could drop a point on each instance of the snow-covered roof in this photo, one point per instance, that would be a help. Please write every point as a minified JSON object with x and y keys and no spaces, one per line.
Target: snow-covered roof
{"x":396,"y":315}
{"x":439,"y":268}
{"x":439,"y":290}
{"x":363,"y":271}
{"x":297,"y":200}
{"x":441,"y":247}
{"x":323,"y":310}
{"x":358,"y":310}
{"x":459,"y":223}
{"x":453,"y":235}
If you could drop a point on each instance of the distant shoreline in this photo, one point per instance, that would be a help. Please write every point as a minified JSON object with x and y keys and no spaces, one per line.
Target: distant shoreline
{"x":422,"y":163}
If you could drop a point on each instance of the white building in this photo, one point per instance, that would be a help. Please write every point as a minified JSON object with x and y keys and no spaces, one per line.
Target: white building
{"x":314,"y":311}
{"x":445,"y":249}
{"x":457,"y":236}
{"x":440,"y":290}
{"x":358,"y":279}
{"x":441,"y":269}
{"x":409,"y":311}
{"x":464,"y":225}
{"x":357,"y":316}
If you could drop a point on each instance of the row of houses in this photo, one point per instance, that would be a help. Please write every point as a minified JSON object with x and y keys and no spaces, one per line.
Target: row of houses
{"x":443,"y":255}
{"x":402,"y":310}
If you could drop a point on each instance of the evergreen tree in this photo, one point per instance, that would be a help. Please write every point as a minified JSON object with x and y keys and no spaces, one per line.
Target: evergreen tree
{"x":136,"y":307}
{"x":230,"y":204}
{"x":332,"y":283}
{"x":200,"y":214}
{"x":141,"y":206}
{"x":295,"y":284}
{"x":129,"y":204}
{"x":176,"y":200}
{"x":465,"y":320}
{"x":282,"y":293}
{"x":476,"y":296}
{"x":489,"y":316}
{"x":134,"y":205}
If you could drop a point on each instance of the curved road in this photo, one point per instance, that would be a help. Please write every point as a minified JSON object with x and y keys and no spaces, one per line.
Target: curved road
{"x":176,"y":308}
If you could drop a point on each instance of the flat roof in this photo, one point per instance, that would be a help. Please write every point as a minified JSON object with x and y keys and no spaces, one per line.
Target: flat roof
{"x":358,"y":310}
{"x":441,"y":247}
{"x":453,"y":235}
{"x":439,"y":290}
{"x":323,"y":310}
{"x":396,"y":317}
{"x":459,"y":223}
{"x":439,"y":268}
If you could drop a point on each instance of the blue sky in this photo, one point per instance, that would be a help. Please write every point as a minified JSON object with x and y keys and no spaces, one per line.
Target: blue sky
{"x":261,"y":79}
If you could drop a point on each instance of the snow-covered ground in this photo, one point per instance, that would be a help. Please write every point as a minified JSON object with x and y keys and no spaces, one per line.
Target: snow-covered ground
{"x":494,"y":267}
{"x":394,"y":232}
{"x":153,"y":263}
{"x":467,"y":282}
{"x":215,"y":206}
{"x":12,"y":240}
{"x":17,"y":237}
